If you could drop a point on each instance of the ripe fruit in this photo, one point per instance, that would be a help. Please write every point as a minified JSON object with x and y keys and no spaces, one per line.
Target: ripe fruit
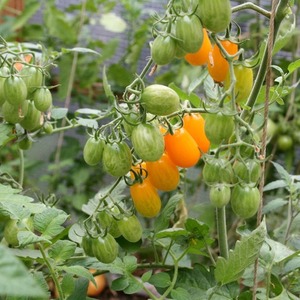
{"x":218,"y":66}
{"x":182,"y":148}
{"x":163,"y":173}
{"x":163,"y":50}
{"x":200,"y":57}
{"x":194,"y":123}
{"x":100,"y":280}
{"x":160,"y":100}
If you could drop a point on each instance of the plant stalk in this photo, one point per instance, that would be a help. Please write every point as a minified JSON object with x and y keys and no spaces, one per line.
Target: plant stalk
{"x":21,"y":171}
{"x":222,"y":231}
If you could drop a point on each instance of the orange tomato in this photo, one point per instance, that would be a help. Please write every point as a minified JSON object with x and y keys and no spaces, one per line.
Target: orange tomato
{"x":194,"y":124}
{"x":182,"y":148}
{"x":19,"y":66}
{"x":140,"y":169}
{"x":145,"y":198}
{"x":218,"y":66}
{"x":200,"y":57}
{"x":163,"y":173}
{"x":93,"y":290}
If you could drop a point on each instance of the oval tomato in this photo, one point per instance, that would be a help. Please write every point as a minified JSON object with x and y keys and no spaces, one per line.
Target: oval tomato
{"x":4,"y":72}
{"x":131,"y":228}
{"x":243,"y":85}
{"x":160,"y":100}
{"x":219,"y":195}
{"x":105,"y":248}
{"x":32,"y":77}
{"x":219,"y":128}
{"x":93,"y":151}
{"x":247,"y":171}
{"x":48,"y":127}
{"x":215,"y":15}
{"x":218,"y":66}
{"x":194,"y":123}
{"x":145,"y":198}
{"x":148,"y":142}
{"x":188,"y":33}
{"x":245,"y":201}
{"x":163,"y":49}
{"x":130,"y":120}
{"x":42,"y":99}
{"x":109,"y":223}
{"x":33,"y":119}
{"x":95,"y":290}
{"x":87,"y":245}
{"x":14,"y":114}
{"x":15,"y":90}
{"x":182,"y":148}
{"x":200,"y":57}
{"x":117,"y":159}
{"x":163,"y":173}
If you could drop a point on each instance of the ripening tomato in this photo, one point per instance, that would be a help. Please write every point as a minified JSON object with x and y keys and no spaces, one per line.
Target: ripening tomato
{"x":145,"y":198}
{"x":200,"y":57}
{"x":163,"y":173}
{"x":100,"y":280}
{"x":218,"y":66}
{"x":182,"y":148}
{"x":194,"y":123}
{"x":19,"y":66}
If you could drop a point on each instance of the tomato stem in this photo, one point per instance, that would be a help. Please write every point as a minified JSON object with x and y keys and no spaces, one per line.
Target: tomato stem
{"x":250,"y":5}
{"x":222,"y":231}
{"x":21,"y":172}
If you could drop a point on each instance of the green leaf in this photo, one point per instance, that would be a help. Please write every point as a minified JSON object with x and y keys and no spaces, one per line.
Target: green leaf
{"x":146,"y":276}
{"x":90,"y":123}
{"x":294,"y":66}
{"x":49,"y":222}
{"x":283,"y":173}
{"x":134,"y":286}
{"x":58,"y":113}
{"x":68,"y":284}
{"x":192,"y":97}
{"x":78,"y":271}
{"x":79,"y":292}
{"x":89,"y":111}
{"x":120,"y":283}
{"x":161,"y":280}
{"x":172,"y":233}
{"x":278,"y":251}
{"x":15,"y":280}
{"x":274,"y":204}
{"x":6,"y":134}
{"x":180,"y":294}
{"x":62,"y":250}
{"x":79,"y":50}
{"x":112,"y":22}
{"x":163,"y":219}
{"x":27,"y":237}
{"x":244,"y":254}
{"x":277,"y":184}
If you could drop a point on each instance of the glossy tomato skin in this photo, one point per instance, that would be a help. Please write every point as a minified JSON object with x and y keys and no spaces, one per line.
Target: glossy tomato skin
{"x":219,"y":195}
{"x":245,"y":201}
{"x":247,"y":171}
{"x":145,"y":198}
{"x":194,"y":123}
{"x":219,"y":128}
{"x":131,"y":228}
{"x":93,"y":151}
{"x":15,"y":90}
{"x":182,"y":148}
{"x":200,"y":57}
{"x":42,"y":99}
{"x":101,"y":283}
{"x":284,"y":142}
{"x":4,"y":71}
{"x":147,"y":141}
{"x":163,"y":173}
{"x":243,"y":85}
{"x":218,"y":66}
{"x":163,"y":50}
{"x":189,"y":34}
{"x":105,"y":249}
{"x":87,"y":245}
{"x":14,"y":114}
{"x":33,"y":119}
{"x":117,"y":159}
{"x":215,"y":15}
{"x":32,"y":77}
{"x":160,"y":100}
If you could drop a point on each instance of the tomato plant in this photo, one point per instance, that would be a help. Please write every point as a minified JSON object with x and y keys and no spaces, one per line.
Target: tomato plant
{"x":219,"y":195}
{"x":15,"y":90}
{"x":42,"y":99}
{"x":163,"y":49}
{"x":130,"y":228}
{"x":93,"y":151}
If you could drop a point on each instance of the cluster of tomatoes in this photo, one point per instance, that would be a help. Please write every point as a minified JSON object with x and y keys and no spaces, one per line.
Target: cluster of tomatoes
{"x":23,"y":96}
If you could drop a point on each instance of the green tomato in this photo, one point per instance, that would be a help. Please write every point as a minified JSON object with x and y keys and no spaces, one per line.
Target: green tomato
{"x":4,"y":71}
{"x":86,"y":245}
{"x":107,"y":221}
{"x":32,"y":77}
{"x":117,"y":159}
{"x":163,"y":50}
{"x":33,"y":119}
{"x":14,"y":114}
{"x":148,"y":142}
{"x":15,"y":90}
{"x":219,"y":195}
{"x":25,"y":144}
{"x":42,"y":99}
{"x":247,"y":171}
{"x":284,"y":142}
{"x":48,"y":128}
{"x":131,"y":228}
{"x":93,"y":151}
{"x":245,"y":201}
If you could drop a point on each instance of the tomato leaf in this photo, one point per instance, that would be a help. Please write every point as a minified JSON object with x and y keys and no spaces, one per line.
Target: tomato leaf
{"x":294,"y":66}
{"x":27,"y":237}
{"x":6,"y":134}
{"x":180,"y":294}
{"x":161,"y":279}
{"x":120,"y":283}
{"x":134,"y":286}
{"x":15,"y":280}
{"x":88,"y":123}
{"x":62,"y":250}
{"x":146,"y":276}
{"x":58,"y":113}
{"x":244,"y":254}
{"x":172,"y":233}
{"x":78,"y":271}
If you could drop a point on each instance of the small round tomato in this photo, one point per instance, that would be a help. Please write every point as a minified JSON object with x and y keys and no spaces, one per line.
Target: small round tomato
{"x":218,"y":66}
{"x":131,"y":228}
{"x":219,"y":128}
{"x":95,"y":290}
{"x":117,"y":159}
{"x":200,"y":57}
{"x":219,"y":195}
{"x":284,"y":142}
{"x":145,"y":198}
{"x":93,"y":151}
{"x":194,"y":123}
{"x":182,"y":148}
{"x":163,"y":50}
{"x":48,"y":127}
{"x":148,"y":142}
{"x":243,"y":85}
{"x":160,"y":100}
{"x":245,"y":201}
{"x":163,"y":173}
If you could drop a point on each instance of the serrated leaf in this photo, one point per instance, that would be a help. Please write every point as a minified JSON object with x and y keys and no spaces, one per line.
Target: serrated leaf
{"x":89,"y":111}
{"x":120,"y":283}
{"x":62,"y":250}
{"x":283,"y":173}
{"x":279,"y":251}
{"x":130,"y":263}
{"x":58,"y":113}
{"x":78,"y":271}
{"x":90,"y":123}
{"x":180,"y":294}
{"x":146,"y":276}
{"x":134,"y":286}
{"x":192,"y":97}
{"x":244,"y":254}
{"x":27,"y":238}
{"x":49,"y":222}
{"x":274,"y":204}
{"x":68,"y":284}
{"x":172,"y":233}
{"x":15,"y":280}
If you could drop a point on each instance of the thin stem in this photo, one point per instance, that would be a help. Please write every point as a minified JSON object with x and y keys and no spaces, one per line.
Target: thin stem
{"x":21,"y":171}
{"x":52,"y":272}
{"x":222,"y":231}
{"x":250,"y":5}
{"x":289,"y":219}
